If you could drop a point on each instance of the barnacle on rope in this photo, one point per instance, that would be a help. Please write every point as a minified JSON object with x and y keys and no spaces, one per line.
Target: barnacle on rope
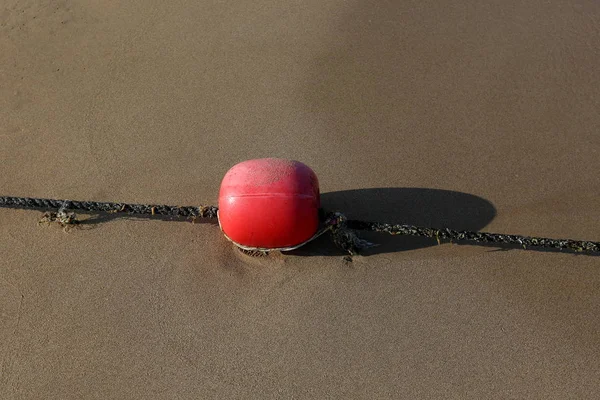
{"x":64,"y":219}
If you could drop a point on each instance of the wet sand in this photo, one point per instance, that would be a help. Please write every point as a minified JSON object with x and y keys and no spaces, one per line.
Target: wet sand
{"x":472,"y":116}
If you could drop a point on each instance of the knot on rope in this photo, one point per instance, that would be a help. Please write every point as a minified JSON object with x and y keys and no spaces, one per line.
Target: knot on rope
{"x":344,"y":237}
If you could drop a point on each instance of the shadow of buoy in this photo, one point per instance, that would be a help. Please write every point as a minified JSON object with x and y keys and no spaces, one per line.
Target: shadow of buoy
{"x":434,"y":208}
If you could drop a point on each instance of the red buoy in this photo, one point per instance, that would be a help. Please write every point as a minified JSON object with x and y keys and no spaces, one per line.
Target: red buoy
{"x":269,"y":203}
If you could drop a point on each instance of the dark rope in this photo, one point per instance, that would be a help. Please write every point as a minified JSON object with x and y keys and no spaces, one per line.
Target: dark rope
{"x":341,"y":228}
{"x":94,"y":206}
{"x":477,"y":237}
{"x":344,"y":236}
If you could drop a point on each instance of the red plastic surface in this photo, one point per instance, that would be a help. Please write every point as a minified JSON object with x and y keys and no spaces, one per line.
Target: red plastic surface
{"x":269,"y":203}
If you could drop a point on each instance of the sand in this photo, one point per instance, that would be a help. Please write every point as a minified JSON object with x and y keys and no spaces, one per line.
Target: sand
{"x":478,"y":115}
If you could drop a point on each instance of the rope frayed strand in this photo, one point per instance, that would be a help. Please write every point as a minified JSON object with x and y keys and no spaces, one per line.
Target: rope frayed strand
{"x":342,"y":229}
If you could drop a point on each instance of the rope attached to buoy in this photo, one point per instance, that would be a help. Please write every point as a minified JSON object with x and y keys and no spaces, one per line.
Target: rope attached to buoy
{"x":342,"y":229}
{"x":94,"y":206}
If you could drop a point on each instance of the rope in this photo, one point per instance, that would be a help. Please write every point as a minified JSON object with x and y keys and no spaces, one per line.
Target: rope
{"x":341,"y":228}
{"x":94,"y":206}
{"x":478,"y":237}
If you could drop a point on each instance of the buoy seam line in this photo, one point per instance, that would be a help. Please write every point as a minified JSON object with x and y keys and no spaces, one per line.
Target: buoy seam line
{"x":341,"y":227}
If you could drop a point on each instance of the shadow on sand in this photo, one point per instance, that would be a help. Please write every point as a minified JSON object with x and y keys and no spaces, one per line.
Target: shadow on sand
{"x":415,"y":206}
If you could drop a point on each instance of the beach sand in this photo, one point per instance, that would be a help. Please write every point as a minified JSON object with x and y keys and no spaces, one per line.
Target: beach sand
{"x":468,"y":115}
